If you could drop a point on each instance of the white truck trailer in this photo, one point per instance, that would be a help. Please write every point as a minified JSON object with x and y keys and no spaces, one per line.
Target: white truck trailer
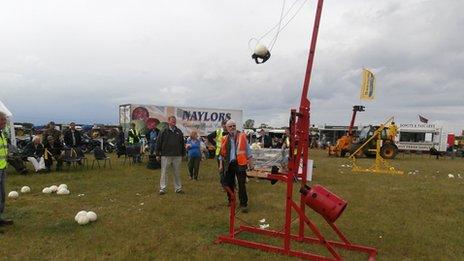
{"x":421,"y":137}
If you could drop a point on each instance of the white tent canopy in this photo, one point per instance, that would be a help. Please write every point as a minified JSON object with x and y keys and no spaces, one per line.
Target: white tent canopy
{"x":9,"y":116}
{"x":5,"y":110}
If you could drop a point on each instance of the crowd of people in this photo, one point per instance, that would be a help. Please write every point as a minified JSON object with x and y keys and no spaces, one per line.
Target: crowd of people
{"x":45,"y":150}
{"x":166,"y":148}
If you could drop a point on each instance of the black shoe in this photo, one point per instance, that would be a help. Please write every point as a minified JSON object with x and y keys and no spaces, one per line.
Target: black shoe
{"x":180,"y":192}
{"x":6,"y":222}
{"x":244,"y":209}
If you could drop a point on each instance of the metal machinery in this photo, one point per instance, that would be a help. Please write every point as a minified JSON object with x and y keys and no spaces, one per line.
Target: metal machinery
{"x":367,"y":141}
{"x":344,"y":143}
{"x":382,"y":147}
{"x":321,"y":200}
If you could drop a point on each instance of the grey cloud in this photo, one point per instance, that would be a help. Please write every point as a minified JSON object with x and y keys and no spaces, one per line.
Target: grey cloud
{"x":189,"y":54}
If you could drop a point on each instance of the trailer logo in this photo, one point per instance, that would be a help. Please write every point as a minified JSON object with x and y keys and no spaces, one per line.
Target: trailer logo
{"x":205,"y":116}
{"x":417,"y":125}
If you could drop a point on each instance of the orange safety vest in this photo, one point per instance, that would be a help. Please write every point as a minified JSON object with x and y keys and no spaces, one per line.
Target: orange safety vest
{"x":240,"y":148}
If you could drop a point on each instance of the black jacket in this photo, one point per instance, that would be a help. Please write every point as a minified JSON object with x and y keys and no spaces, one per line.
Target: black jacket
{"x":267,"y":141}
{"x":54,"y":149}
{"x":68,"y":140}
{"x":170,"y":143}
{"x":32,"y":150}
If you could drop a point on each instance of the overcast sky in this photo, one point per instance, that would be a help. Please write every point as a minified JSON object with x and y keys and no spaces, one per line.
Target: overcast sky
{"x":77,"y":60}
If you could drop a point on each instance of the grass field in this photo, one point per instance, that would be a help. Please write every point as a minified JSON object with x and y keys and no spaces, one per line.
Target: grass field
{"x":409,"y":217}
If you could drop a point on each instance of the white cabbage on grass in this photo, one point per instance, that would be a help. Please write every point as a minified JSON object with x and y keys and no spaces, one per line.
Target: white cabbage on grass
{"x":54,"y":188}
{"x":92,"y":216}
{"x":13,"y":194}
{"x":25,"y":189}
{"x":62,"y":191}
{"x":83,"y":217}
{"x":47,"y":190}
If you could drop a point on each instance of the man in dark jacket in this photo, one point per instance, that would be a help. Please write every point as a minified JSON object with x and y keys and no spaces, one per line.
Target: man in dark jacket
{"x":264,"y":139}
{"x":120,"y":142}
{"x":72,"y":137}
{"x":170,"y":149}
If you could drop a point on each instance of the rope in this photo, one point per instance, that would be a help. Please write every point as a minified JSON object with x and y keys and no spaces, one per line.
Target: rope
{"x":270,"y":30}
{"x":271,"y":44}
{"x":279,"y":26}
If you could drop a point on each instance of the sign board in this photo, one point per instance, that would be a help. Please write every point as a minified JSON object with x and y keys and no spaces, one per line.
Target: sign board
{"x":202,"y":120}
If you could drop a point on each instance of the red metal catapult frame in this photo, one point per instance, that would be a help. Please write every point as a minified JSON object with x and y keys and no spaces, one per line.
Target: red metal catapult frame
{"x":299,"y":130}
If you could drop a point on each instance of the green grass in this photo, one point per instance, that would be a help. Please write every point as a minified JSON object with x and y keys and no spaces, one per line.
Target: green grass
{"x":409,"y":217}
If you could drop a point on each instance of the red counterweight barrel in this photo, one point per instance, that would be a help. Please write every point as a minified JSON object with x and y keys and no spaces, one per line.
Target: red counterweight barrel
{"x":324,"y":202}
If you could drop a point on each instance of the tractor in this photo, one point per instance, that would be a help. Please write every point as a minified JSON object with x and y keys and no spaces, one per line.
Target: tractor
{"x":388,"y":149}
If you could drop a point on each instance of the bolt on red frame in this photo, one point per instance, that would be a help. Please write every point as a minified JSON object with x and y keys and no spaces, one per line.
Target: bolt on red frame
{"x":299,"y":131}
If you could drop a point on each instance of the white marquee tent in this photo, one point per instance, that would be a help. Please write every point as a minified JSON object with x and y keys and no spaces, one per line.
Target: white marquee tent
{"x":10,"y":123}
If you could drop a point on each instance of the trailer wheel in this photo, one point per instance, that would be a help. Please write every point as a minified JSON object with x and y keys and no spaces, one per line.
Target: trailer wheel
{"x":388,"y":151}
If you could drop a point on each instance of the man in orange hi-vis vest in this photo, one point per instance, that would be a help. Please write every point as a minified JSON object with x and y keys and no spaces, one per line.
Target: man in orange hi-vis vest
{"x":235,"y":157}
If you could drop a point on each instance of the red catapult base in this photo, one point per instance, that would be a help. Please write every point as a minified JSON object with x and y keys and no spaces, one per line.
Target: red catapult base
{"x":321,"y":200}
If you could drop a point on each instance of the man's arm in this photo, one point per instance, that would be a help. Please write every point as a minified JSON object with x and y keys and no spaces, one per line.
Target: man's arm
{"x":159,"y":143}
{"x":182,"y":143}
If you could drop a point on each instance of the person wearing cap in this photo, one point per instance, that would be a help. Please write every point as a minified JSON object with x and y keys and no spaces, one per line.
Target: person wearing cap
{"x":234,"y":159}
{"x":53,"y":150}
{"x":3,"y":165}
{"x":53,"y":132}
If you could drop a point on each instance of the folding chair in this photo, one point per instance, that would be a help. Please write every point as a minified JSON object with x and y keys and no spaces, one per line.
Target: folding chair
{"x":100,"y":155}
{"x":70,"y":157}
{"x":130,"y":153}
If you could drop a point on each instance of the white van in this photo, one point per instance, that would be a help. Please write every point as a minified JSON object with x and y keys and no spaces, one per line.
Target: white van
{"x":420,"y":137}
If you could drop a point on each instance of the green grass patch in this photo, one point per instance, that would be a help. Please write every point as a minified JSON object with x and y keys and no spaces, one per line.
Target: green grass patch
{"x":409,"y":217}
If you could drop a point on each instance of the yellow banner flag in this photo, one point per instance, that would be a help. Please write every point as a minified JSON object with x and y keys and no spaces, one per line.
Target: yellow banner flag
{"x":367,"y":85}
